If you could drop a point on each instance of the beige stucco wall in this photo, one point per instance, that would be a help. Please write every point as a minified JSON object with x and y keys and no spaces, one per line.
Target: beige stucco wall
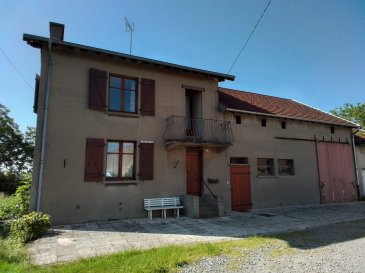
{"x":64,"y":193}
{"x":69,"y":199}
{"x":254,"y":141}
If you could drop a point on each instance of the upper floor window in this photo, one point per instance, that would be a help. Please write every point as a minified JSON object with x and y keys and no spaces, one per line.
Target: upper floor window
{"x":122,"y":94}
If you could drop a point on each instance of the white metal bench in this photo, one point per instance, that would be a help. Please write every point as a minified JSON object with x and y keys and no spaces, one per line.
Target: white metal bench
{"x":163,"y":204}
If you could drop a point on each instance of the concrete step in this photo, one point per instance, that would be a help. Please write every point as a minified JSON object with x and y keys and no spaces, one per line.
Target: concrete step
{"x":207,"y":206}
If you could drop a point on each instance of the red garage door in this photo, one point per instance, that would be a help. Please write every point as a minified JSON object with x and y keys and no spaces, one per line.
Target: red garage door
{"x":336,"y":172}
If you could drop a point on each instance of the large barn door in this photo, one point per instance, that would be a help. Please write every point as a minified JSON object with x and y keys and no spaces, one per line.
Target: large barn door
{"x":336,"y":172}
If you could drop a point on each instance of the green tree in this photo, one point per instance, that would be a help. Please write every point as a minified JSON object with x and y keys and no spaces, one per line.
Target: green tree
{"x":16,"y":148}
{"x":354,"y":113}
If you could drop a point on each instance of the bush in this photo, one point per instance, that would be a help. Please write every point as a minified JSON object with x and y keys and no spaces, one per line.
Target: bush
{"x":30,"y":226}
{"x":17,"y":204}
{"x":11,"y":250}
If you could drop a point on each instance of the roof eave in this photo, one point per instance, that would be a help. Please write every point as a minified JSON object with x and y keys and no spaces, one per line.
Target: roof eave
{"x":38,"y":41}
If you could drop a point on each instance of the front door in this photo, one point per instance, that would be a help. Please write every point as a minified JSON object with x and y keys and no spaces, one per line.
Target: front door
{"x":193,"y":173}
{"x":240,"y":188}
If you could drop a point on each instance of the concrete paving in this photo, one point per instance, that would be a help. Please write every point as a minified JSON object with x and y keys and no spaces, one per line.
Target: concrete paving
{"x":71,"y":242}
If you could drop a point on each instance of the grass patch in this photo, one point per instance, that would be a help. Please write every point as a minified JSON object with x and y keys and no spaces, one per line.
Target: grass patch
{"x":157,"y":260}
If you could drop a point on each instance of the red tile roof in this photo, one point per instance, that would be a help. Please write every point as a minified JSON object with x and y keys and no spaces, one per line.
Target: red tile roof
{"x":274,"y":106}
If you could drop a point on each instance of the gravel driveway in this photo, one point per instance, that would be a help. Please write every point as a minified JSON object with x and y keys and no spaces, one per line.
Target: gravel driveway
{"x":333,"y":248}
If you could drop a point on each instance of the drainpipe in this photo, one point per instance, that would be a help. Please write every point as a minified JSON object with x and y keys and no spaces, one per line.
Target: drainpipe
{"x":44,"y":126}
{"x":355,"y":160}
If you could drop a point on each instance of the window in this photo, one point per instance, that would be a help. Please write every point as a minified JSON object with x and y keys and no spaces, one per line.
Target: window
{"x":265,"y":167}
{"x":120,"y":160}
{"x":263,"y":122}
{"x":286,"y":166}
{"x":283,"y":125}
{"x":332,"y":130}
{"x":122,"y":94}
{"x":238,"y":160}
{"x":238,"y":119}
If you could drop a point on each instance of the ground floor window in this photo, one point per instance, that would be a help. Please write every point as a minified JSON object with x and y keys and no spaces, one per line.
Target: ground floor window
{"x":286,"y":166}
{"x":265,"y":167}
{"x":120,"y":160}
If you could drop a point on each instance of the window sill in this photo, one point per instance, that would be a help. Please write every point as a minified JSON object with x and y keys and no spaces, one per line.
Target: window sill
{"x":120,"y":182}
{"x":267,"y":176}
{"x":122,"y":114}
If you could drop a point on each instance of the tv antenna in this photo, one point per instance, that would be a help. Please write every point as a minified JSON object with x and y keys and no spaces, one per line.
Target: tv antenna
{"x":129,"y":27}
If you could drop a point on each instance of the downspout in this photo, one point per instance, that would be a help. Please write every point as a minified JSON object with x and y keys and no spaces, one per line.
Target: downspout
{"x":44,"y":126}
{"x":355,"y":162}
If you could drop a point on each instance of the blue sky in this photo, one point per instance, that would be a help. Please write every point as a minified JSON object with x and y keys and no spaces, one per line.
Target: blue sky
{"x":308,"y":50}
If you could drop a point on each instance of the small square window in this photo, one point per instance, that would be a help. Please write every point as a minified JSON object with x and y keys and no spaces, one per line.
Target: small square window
{"x":238,"y":120}
{"x":265,"y":167}
{"x":283,"y":125}
{"x":263,"y":122}
{"x":286,"y":166}
{"x":332,"y":130}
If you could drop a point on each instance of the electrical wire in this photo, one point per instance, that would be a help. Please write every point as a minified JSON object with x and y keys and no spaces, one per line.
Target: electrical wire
{"x":249,"y":37}
{"x":16,"y":69}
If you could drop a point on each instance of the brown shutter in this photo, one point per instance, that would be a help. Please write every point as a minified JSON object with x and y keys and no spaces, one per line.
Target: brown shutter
{"x":146,"y":156}
{"x":97,"y":89}
{"x":147,"y":97}
{"x":94,"y":160}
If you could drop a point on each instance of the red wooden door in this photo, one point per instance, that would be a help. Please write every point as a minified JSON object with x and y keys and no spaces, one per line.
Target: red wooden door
{"x":193,"y":173}
{"x":240,"y":188}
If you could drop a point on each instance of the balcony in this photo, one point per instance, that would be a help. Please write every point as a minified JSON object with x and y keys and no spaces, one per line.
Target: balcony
{"x":183,"y":131}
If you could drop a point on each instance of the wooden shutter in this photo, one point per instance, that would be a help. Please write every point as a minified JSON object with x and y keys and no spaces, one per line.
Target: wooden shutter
{"x":97,"y":89}
{"x":146,"y":156}
{"x":94,"y":160}
{"x":147,"y":97}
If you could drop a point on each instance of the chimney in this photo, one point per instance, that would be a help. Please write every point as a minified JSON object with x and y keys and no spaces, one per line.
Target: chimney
{"x":56,"y":31}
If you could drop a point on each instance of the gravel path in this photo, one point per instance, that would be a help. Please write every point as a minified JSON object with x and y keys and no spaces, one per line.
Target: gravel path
{"x":333,"y":248}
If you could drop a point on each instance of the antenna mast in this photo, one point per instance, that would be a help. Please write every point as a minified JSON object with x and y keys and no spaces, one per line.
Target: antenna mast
{"x":129,"y":27}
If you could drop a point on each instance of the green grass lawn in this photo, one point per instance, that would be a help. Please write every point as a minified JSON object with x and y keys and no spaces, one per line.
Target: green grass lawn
{"x":164,"y":259}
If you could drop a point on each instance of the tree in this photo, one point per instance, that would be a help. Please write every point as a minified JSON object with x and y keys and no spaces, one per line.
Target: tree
{"x":16,"y":149}
{"x":354,"y":113}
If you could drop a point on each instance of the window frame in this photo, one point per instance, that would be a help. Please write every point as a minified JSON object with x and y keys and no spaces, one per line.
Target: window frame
{"x":286,"y":174}
{"x":273,"y":167}
{"x":122,"y":89}
{"x":120,"y":160}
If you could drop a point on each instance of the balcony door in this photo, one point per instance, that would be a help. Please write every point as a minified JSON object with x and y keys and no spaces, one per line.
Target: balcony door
{"x":193,"y":114}
{"x":193,"y":172}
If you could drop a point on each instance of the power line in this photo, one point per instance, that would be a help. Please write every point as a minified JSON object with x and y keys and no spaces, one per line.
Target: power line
{"x":16,"y":69}
{"x":249,"y":37}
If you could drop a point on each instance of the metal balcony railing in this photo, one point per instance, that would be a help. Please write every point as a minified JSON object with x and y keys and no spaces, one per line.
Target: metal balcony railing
{"x":210,"y":131}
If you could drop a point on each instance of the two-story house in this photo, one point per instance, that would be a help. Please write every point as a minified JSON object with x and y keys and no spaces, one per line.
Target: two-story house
{"x":113,"y":129}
